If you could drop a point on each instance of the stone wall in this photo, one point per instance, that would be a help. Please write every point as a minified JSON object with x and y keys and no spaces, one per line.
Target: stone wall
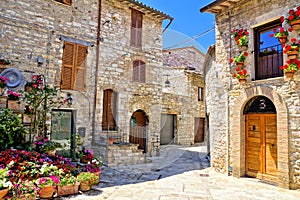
{"x":229,"y":94}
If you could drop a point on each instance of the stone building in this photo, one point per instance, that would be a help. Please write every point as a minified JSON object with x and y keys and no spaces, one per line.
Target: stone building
{"x":254,"y":127}
{"x":183,"y":108}
{"x":106,"y":55}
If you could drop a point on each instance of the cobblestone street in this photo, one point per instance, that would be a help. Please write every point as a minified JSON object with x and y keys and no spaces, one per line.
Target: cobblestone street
{"x":180,"y":173}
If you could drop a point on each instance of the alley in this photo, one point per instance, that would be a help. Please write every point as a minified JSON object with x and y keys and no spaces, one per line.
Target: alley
{"x":180,"y":173}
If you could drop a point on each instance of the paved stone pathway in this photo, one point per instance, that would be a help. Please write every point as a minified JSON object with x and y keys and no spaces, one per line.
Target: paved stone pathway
{"x":180,"y":173}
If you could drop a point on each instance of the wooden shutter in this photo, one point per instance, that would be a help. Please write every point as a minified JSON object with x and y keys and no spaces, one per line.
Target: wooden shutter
{"x":136,"y":28}
{"x":108,"y":120}
{"x":142,"y":74}
{"x":199,"y":130}
{"x":67,"y":66}
{"x":79,"y":72}
{"x":135,"y":71}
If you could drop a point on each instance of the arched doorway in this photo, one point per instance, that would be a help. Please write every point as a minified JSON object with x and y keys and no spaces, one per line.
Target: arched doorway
{"x":138,"y":129}
{"x":261,"y":138}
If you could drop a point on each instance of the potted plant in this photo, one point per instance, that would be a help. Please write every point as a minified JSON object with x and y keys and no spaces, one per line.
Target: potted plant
{"x":87,"y":180}
{"x":241,"y":75}
{"x":13,"y":100}
{"x":5,"y":183}
{"x":46,"y":186}
{"x":24,"y":189}
{"x":293,"y":18}
{"x":94,"y":166}
{"x":3,"y":83}
{"x":241,"y":37}
{"x":290,"y":67}
{"x":281,"y":34}
{"x":68,"y":184}
{"x":85,"y":155}
{"x":240,"y":59}
{"x":293,"y":49}
{"x":45,"y":145}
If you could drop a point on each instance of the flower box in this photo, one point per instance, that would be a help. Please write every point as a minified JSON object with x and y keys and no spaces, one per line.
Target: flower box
{"x":67,"y":189}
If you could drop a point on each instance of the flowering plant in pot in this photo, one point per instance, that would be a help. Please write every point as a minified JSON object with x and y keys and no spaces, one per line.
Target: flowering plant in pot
{"x":241,"y":37}
{"x":291,"y":65}
{"x":293,"y":49}
{"x":3,"y":81}
{"x":281,"y":34}
{"x":24,"y":189}
{"x":293,"y":18}
{"x":11,"y":95}
{"x":87,"y":180}
{"x":240,"y":58}
{"x":46,"y":186}
{"x":240,"y":74}
{"x":5,"y":183}
{"x":85,"y":155}
{"x":45,"y":145}
{"x":68,"y":184}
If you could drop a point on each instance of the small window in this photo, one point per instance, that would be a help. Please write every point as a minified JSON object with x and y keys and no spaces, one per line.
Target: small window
{"x":74,"y":66}
{"x":109,"y":110}
{"x":200,"y":94}
{"x":139,"y":71}
{"x":67,"y":2}
{"x":268,"y":52}
{"x":136,"y":28}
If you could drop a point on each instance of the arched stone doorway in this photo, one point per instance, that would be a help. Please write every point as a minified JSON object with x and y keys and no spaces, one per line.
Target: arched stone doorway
{"x":238,"y":133}
{"x":138,"y":129}
{"x":261,"y":139}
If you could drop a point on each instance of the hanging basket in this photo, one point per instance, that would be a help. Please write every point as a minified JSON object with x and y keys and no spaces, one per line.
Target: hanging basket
{"x":295,"y":24}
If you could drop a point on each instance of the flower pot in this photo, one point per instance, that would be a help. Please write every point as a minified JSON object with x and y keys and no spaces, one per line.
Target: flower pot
{"x":3,"y":192}
{"x":243,"y":81}
{"x":47,"y":192}
{"x":84,"y":159}
{"x":51,"y":152}
{"x":239,"y":64}
{"x":244,"y":48}
{"x":84,"y":187}
{"x":1,"y":91}
{"x":295,"y":24}
{"x":289,"y":74}
{"x":98,"y":175}
{"x":292,"y":54}
{"x":67,"y":189}
{"x":282,"y":39}
{"x":26,"y":119}
{"x":111,"y":140}
{"x":13,"y":104}
{"x":3,"y":101}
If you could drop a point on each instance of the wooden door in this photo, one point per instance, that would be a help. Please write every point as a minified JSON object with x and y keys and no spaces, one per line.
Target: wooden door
{"x":167,"y":129}
{"x":261,"y":146}
{"x":199,"y":130}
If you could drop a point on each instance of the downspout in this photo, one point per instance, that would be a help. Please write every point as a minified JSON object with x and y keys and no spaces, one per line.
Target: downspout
{"x":96,"y":72}
{"x":229,"y":168}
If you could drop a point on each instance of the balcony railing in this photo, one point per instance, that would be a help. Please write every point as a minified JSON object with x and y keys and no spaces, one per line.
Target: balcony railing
{"x":268,"y":62}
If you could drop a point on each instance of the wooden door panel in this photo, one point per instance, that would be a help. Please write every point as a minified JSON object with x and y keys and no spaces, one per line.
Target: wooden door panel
{"x":271,"y":145}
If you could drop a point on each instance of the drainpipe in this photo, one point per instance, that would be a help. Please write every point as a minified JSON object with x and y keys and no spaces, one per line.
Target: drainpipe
{"x":96,"y":72}
{"x":229,"y":168}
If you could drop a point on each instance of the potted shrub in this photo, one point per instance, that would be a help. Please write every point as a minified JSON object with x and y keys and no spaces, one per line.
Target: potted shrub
{"x":290,"y":67}
{"x":68,"y":184}
{"x":240,"y":59}
{"x":87,"y":180}
{"x":241,"y":37}
{"x":5,"y":183}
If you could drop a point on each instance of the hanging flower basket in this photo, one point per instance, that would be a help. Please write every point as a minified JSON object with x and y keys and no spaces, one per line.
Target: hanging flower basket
{"x":292,"y":54}
{"x":239,"y":64}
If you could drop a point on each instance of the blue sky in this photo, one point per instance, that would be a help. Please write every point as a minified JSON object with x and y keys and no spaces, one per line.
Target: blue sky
{"x":188,"y":22}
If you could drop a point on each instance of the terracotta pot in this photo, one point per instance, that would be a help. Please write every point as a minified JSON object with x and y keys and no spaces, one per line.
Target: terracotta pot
{"x":239,"y":64}
{"x":289,"y":74}
{"x":292,"y":55}
{"x":295,"y":24}
{"x":67,"y":189}
{"x":85,"y":187}
{"x":244,"y":48}
{"x":282,"y":39}
{"x":3,"y":192}
{"x":111,"y":140}
{"x":13,"y":104}
{"x":47,"y":192}
{"x":243,"y":81}
{"x":1,"y":91}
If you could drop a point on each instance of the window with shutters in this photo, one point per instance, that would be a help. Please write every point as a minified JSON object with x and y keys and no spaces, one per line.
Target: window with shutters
{"x":136,"y":28}
{"x":139,"y":71}
{"x":73,"y":66}
{"x":67,"y":2}
{"x":109,"y":110}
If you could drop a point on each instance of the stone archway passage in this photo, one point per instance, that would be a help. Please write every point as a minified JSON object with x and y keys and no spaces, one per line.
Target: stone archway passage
{"x":138,"y":129}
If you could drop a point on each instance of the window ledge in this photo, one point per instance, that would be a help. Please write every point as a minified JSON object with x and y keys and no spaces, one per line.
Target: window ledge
{"x":268,"y":79}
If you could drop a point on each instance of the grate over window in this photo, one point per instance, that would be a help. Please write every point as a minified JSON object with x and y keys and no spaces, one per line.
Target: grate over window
{"x":260,"y":104}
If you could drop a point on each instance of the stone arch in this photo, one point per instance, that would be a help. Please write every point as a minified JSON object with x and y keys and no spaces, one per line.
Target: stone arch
{"x":238,"y":132}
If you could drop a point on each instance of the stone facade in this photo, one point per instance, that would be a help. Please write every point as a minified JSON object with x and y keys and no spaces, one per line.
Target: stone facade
{"x":184,"y":70}
{"x":31,"y":29}
{"x":226,"y":98}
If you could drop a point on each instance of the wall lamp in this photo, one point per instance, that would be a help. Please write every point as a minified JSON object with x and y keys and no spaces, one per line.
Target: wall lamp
{"x":40,"y":60}
{"x":69,"y":99}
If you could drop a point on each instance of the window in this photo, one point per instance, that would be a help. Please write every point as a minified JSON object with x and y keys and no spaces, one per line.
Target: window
{"x":200,"y":94}
{"x":74,"y":66}
{"x":67,"y":2}
{"x":139,"y":71}
{"x":136,"y":28}
{"x":268,"y":52}
{"x":109,"y":110}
